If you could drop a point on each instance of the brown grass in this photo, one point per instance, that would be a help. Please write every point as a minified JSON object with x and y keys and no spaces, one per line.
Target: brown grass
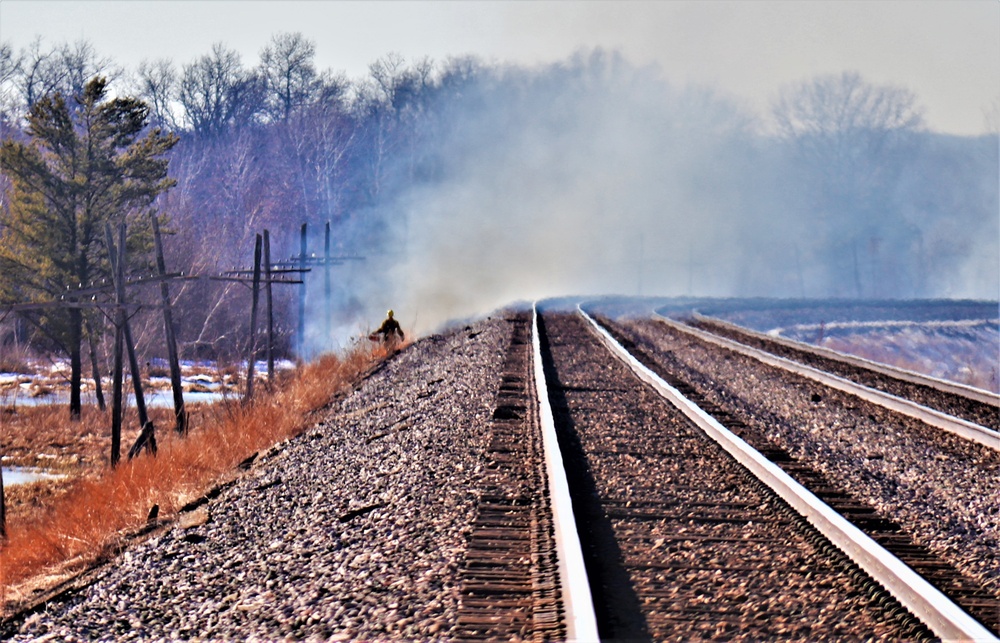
{"x":96,"y":510}
{"x":958,"y":361}
{"x":43,"y":436}
{"x":15,"y":359}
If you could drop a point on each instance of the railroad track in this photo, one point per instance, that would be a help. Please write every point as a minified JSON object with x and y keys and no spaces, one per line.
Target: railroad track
{"x":967,"y":585}
{"x":523,"y":577}
{"x":510,"y":583}
{"x":971,"y":413}
{"x":942,"y":488}
{"x":943,"y":395}
{"x":605,"y":510}
{"x":679,"y":539}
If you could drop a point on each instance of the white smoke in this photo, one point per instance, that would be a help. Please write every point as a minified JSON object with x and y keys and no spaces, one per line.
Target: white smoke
{"x":595,"y":177}
{"x":602,"y":180}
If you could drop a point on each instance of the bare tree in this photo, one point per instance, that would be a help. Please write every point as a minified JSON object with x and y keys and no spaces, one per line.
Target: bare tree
{"x":388,"y":109}
{"x":846,"y":120}
{"x":218,"y":92}
{"x":287,"y":67}
{"x":79,"y":63}
{"x":10,"y":65}
{"x":851,"y":142}
{"x":317,"y":142}
{"x":396,"y":84}
{"x":65,"y":69}
{"x":39,"y":73}
{"x":9,"y":62}
{"x":158,"y":86}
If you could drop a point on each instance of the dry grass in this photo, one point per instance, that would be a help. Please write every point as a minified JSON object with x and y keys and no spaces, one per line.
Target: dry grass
{"x":43,"y":436}
{"x":15,"y":359}
{"x":962,"y":361}
{"x":96,"y":510}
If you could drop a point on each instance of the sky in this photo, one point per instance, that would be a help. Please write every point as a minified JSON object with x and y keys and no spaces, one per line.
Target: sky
{"x":946,"y":51}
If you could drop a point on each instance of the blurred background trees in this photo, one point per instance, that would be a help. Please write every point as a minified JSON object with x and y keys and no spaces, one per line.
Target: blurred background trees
{"x":849,"y":144}
{"x":839,"y":190}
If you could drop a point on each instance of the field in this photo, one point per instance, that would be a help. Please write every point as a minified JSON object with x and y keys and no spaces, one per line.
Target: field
{"x":67,"y":523}
{"x":58,"y":527}
{"x":952,"y":340}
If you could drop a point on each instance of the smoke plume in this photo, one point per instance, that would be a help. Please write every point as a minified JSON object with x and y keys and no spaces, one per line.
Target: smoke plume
{"x":596,"y":177}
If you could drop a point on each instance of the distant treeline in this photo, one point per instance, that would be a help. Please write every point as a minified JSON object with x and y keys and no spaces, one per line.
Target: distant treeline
{"x":437,"y":171}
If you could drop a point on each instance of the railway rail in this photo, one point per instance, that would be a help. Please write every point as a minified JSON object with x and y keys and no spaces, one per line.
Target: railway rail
{"x":756,"y":424}
{"x":523,"y":575}
{"x":685,"y":529}
{"x":674,"y":543}
{"x":968,"y":430}
{"x":963,"y":410}
{"x":867,"y":371}
{"x":619,"y":496}
{"x":927,"y":540}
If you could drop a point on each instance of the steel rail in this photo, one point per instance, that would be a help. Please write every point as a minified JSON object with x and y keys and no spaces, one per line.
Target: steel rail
{"x":962,"y":428}
{"x":955,"y":388}
{"x":578,"y":604}
{"x":925,"y":601}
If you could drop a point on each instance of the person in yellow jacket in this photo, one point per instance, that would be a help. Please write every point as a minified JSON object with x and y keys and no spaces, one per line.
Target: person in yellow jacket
{"x":390,"y":330}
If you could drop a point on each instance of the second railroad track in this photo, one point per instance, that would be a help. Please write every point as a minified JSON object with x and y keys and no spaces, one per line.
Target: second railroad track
{"x":682,"y":541}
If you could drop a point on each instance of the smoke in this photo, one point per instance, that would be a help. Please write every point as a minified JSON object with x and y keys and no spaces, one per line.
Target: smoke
{"x":588,"y":178}
{"x":596,"y":177}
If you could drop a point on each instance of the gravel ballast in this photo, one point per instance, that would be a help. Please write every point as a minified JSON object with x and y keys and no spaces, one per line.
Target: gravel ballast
{"x":941,"y":488}
{"x":956,"y":405}
{"x":680,"y":542}
{"x":354,"y":530}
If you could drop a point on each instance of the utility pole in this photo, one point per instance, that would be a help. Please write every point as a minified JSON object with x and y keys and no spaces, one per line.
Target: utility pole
{"x":252,"y":359}
{"x":180,"y":415}
{"x":300,"y":352}
{"x":327,"y":288}
{"x":147,"y":436}
{"x":270,"y":309}
{"x":118,"y":272}
{"x":3,"y":512}
{"x":263,"y":271}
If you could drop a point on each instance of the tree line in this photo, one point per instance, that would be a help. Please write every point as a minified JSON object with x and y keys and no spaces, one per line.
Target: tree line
{"x":839,"y":190}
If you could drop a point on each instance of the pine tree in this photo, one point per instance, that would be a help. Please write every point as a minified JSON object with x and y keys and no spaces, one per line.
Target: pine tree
{"x":81,"y":167}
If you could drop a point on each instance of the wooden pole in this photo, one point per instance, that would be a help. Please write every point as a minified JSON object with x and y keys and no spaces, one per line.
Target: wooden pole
{"x":133,"y":364}
{"x":300,"y":353}
{"x":147,"y":436}
{"x":95,"y":368}
{"x":327,"y":289}
{"x":3,"y":511}
{"x":270,"y":309}
{"x":180,"y":415}
{"x":116,"y":379}
{"x":253,"y":320}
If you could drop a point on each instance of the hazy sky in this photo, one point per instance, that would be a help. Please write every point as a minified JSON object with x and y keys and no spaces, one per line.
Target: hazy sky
{"x":947,"y":51}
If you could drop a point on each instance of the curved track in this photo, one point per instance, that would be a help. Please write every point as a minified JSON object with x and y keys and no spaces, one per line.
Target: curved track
{"x":963,"y":428}
{"x":966,"y":410}
{"x":680,"y":541}
{"x":867,"y":372}
{"x":940,"y":535}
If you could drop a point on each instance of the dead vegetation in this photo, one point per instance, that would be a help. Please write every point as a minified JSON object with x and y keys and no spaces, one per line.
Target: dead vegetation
{"x":959,"y":360}
{"x":68,"y":525}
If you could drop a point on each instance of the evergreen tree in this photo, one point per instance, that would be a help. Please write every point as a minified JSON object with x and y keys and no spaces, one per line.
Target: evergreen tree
{"x":79,"y":169}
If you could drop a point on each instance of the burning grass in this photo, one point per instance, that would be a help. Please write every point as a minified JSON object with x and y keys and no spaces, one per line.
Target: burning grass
{"x":77,"y":521}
